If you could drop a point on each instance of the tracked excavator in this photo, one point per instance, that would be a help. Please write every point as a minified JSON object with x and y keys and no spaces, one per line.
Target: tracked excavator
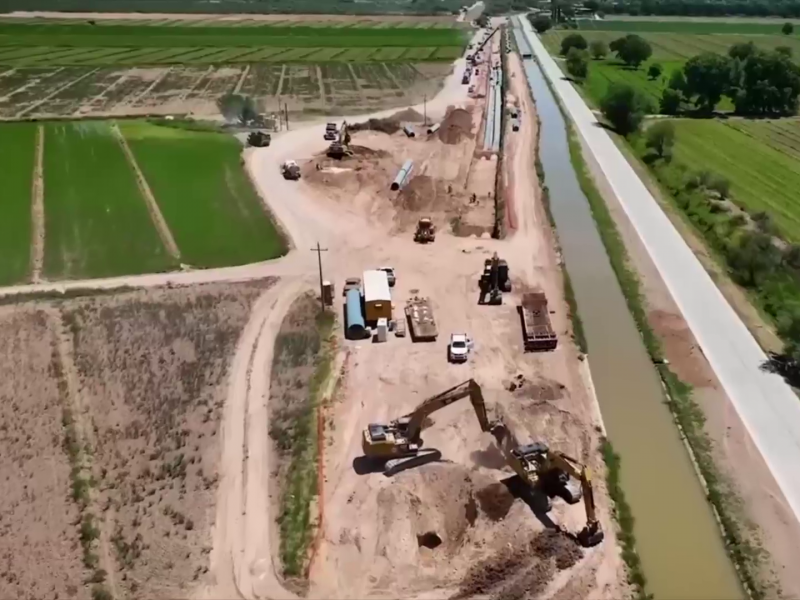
{"x":340,"y":147}
{"x":547,"y":472}
{"x":399,"y":443}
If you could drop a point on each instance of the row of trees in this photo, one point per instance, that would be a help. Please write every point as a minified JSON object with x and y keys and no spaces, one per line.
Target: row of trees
{"x":705,"y":8}
{"x":759,"y":82}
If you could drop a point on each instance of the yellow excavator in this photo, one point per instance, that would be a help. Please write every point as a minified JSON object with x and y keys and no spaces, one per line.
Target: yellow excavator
{"x":399,"y":443}
{"x":549,"y":472}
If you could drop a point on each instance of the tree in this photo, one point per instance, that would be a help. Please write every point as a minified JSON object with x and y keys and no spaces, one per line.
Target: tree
{"x":660,"y":138}
{"x":625,"y":107}
{"x":784,"y":51}
{"x":541,"y":23}
{"x":677,"y":81}
{"x":767,"y":83}
{"x":742,"y":51}
{"x":791,"y":257}
{"x":654,"y":72}
{"x":671,"y":101}
{"x":578,"y":63}
{"x":591,"y":5}
{"x":235,"y":107}
{"x":787,"y":29}
{"x":707,"y":79}
{"x":632,"y":49}
{"x":598,"y":49}
{"x":763,"y":222}
{"x":753,"y":258}
{"x":573,"y":40}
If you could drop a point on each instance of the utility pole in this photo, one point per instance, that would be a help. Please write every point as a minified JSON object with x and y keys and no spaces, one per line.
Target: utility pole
{"x":425,"y":110}
{"x":319,"y":252}
{"x":286,"y":109}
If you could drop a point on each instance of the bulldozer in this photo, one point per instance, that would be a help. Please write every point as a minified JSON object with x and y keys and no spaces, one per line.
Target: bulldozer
{"x":494,"y":281}
{"x":426,"y":231}
{"x":399,"y":443}
{"x":340,"y":147}
{"x":547,"y":473}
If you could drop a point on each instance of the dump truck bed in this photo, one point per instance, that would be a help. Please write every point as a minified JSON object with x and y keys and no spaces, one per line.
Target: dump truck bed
{"x":421,"y":321}
{"x":537,"y":331}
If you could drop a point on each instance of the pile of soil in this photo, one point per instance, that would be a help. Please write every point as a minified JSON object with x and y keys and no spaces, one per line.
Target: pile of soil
{"x":408,"y":114}
{"x":365,"y":152}
{"x":495,"y":501}
{"x":388,"y":126}
{"x":455,"y":126}
{"x":520,"y":572}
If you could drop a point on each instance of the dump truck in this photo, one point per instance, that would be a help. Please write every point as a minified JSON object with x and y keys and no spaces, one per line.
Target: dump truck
{"x":548,"y":473}
{"x":426,"y":231}
{"x":420,"y":320}
{"x":537,"y":331}
{"x":259,"y":139}
{"x":399,"y":444}
{"x":290,"y":170}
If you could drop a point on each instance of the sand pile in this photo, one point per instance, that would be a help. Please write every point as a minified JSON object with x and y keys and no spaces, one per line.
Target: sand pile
{"x":455,"y":126}
{"x":522,"y":571}
{"x":388,"y":126}
{"x":408,"y":114}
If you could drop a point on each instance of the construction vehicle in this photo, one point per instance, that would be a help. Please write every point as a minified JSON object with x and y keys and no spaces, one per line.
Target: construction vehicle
{"x":426,"y":231}
{"x":290,"y":170}
{"x":340,"y":147}
{"x":399,"y":443}
{"x":548,"y":473}
{"x":259,"y":139}
{"x":331,"y":132}
{"x":537,"y":331}
{"x":494,"y":281}
{"x":475,"y":55}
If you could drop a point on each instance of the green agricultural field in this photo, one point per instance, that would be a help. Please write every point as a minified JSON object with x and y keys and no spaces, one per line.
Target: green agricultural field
{"x":17,"y":153}
{"x":96,"y":221}
{"x":685,"y":26}
{"x":211,"y":208}
{"x":759,"y":158}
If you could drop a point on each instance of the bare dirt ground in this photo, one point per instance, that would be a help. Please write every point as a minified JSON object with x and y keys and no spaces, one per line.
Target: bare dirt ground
{"x":40,"y":553}
{"x":771,"y":521}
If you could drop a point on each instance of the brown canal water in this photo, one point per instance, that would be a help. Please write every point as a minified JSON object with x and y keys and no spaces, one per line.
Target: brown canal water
{"x":677,"y":536}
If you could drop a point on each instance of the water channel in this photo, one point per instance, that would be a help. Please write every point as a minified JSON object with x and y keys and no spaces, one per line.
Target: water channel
{"x":678,"y":539}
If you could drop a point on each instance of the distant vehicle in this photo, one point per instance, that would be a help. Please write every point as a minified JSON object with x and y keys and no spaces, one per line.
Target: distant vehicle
{"x":329,"y":135}
{"x":400,"y":327}
{"x":390,"y":276}
{"x":459,"y":347}
{"x":351,"y":283}
{"x":259,"y":139}
{"x":290,"y":170}
{"x":331,"y":127}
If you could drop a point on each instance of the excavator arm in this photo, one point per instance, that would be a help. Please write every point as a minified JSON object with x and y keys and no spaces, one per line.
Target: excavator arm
{"x":592,"y":533}
{"x":468,"y":388}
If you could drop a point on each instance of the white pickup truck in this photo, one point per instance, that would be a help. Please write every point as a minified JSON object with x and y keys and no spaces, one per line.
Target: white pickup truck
{"x":459,"y":348}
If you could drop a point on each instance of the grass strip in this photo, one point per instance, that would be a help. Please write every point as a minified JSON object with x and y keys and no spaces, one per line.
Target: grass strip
{"x":745,"y":555}
{"x":294,"y":427}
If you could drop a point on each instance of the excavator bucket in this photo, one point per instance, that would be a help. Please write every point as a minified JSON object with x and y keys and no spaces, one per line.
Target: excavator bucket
{"x":591,"y":536}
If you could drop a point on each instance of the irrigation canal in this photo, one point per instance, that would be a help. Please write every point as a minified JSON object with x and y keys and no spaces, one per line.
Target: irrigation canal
{"x":677,"y":536}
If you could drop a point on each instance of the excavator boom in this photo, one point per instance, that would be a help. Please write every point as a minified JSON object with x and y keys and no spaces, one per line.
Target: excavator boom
{"x":468,"y":388}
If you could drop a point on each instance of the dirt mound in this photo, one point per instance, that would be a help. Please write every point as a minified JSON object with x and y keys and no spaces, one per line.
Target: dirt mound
{"x":555,"y":544}
{"x":409,"y":114}
{"x":388,"y":126}
{"x":364,"y":152}
{"x":495,"y":501}
{"x":522,"y":571}
{"x":418,"y":193}
{"x":456,"y":125}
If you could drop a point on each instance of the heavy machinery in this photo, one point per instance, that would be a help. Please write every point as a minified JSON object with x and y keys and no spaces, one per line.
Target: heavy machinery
{"x":426,"y":231}
{"x":549,"y":473}
{"x":340,"y":147}
{"x":331,"y":131}
{"x":494,"y":281}
{"x":290,"y":170}
{"x":259,"y":139}
{"x":399,"y":443}
{"x":475,"y":54}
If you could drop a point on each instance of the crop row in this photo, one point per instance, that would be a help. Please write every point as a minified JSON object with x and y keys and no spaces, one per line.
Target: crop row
{"x":61,"y":56}
{"x":249,"y":23}
{"x":685,"y":27}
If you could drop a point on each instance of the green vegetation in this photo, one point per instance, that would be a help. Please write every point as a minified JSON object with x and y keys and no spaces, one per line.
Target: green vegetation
{"x":96,"y":221}
{"x":301,"y":366}
{"x":723,"y":497}
{"x":624,"y":518}
{"x":83,"y":44}
{"x":17,"y":155}
{"x":211,"y":208}
{"x":624,"y":107}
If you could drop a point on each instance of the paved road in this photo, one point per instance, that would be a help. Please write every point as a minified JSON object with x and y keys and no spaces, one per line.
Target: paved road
{"x":767,"y":406}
